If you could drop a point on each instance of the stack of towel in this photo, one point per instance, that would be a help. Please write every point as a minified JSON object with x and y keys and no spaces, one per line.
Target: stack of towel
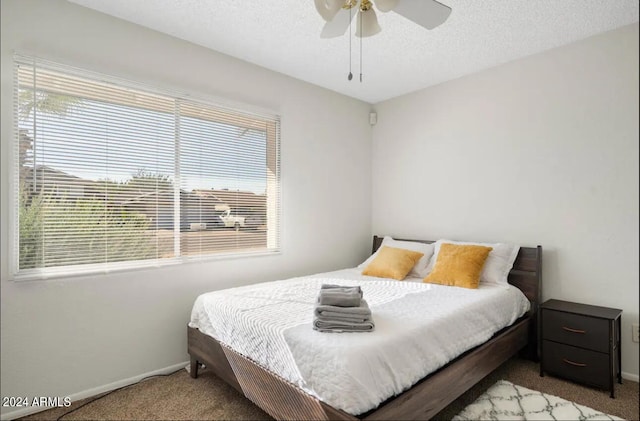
{"x":342,"y":309}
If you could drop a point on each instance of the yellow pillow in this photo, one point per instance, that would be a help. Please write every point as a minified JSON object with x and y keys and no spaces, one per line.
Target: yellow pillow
{"x":392,"y":263}
{"x":459,"y":265}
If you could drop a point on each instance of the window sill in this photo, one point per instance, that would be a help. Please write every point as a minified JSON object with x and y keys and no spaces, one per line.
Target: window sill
{"x":109,"y":268}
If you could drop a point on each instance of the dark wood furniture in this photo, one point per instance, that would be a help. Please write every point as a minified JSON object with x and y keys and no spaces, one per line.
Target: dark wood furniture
{"x":581,"y":342}
{"x":284,"y":400}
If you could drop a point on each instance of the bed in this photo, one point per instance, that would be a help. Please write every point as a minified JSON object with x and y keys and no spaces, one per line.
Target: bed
{"x":283,"y":398}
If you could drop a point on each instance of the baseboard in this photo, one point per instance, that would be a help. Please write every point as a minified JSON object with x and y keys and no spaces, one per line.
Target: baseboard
{"x":629,"y":376}
{"x":22,"y":412}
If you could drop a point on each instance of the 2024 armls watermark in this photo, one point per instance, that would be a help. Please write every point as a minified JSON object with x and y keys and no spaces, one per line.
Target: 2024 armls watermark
{"x":36,"y":401}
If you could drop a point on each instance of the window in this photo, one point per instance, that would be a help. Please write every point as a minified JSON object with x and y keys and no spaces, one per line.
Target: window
{"x":112,"y":175}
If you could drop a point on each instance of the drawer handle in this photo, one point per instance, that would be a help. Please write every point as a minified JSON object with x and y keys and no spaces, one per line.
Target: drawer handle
{"x":568,"y":329}
{"x":572,"y":363}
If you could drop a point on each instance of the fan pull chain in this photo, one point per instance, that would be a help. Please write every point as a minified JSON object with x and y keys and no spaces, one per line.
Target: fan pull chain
{"x":350,"y":76}
{"x":361,"y":36}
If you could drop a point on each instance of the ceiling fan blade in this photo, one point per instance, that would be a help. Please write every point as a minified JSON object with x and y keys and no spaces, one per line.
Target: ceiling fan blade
{"x":328,"y":8}
{"x":385,"y":5}
{"x":427,"y":13}
{"x":339,"y":24}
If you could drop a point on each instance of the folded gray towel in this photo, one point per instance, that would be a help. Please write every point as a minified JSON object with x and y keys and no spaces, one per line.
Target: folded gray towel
{"x":337,"y":326}
{"x":362,"y":309}
{"x":346,"y":317}
{"x":339,"y":297}
{"x":341,"y":288}
{"x":328,"y":316}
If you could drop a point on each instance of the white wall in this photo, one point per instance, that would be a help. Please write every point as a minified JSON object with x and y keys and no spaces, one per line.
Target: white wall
{"x":543,"y":150}
{"x":66,"y":336}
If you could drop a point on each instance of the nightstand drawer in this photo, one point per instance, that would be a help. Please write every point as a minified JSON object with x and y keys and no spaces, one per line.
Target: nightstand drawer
{"x":576,"y":364}
{"x":573,"y":329}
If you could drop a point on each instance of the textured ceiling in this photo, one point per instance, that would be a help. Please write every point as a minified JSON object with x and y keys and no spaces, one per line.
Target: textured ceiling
{"x":283,"y":35}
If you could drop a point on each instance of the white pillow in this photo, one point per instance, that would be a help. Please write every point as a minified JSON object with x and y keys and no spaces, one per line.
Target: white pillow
{"x":420,"y":268}
{"x":497,"y":266}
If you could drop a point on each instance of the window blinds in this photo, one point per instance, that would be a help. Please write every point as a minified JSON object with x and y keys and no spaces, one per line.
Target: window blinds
{"x":111,"y":174}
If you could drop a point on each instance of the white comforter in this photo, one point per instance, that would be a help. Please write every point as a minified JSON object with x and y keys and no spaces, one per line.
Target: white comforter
{"x":419,"y":328}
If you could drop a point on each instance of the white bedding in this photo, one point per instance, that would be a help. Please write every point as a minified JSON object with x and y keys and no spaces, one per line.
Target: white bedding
{"x":419,"y":328}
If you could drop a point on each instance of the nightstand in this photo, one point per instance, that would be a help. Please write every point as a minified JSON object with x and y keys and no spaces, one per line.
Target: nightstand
{"x":581,"y":342}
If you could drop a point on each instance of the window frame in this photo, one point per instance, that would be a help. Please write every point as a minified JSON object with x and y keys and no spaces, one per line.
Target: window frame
{"x":206,"y":100}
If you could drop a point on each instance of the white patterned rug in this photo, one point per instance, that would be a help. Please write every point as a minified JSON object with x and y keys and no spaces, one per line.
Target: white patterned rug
{"x":507,"y":401}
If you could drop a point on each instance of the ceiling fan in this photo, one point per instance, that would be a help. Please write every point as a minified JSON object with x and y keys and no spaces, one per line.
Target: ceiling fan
{"x":338,"y":14}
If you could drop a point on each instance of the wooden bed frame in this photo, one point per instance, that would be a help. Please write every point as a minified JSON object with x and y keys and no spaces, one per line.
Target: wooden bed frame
{"x":284,"y":400}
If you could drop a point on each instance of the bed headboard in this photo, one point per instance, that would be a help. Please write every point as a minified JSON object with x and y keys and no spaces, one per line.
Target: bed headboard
{"x":526,"y":275}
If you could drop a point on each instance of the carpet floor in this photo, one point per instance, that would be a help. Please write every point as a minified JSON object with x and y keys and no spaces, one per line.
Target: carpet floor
{"x":179,"y":397}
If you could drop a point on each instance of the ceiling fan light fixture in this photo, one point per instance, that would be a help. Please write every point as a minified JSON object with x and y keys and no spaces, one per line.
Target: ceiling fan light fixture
{"x":367,"y":24}
{"x":386,"y":5}
{"x":328,"y":9}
